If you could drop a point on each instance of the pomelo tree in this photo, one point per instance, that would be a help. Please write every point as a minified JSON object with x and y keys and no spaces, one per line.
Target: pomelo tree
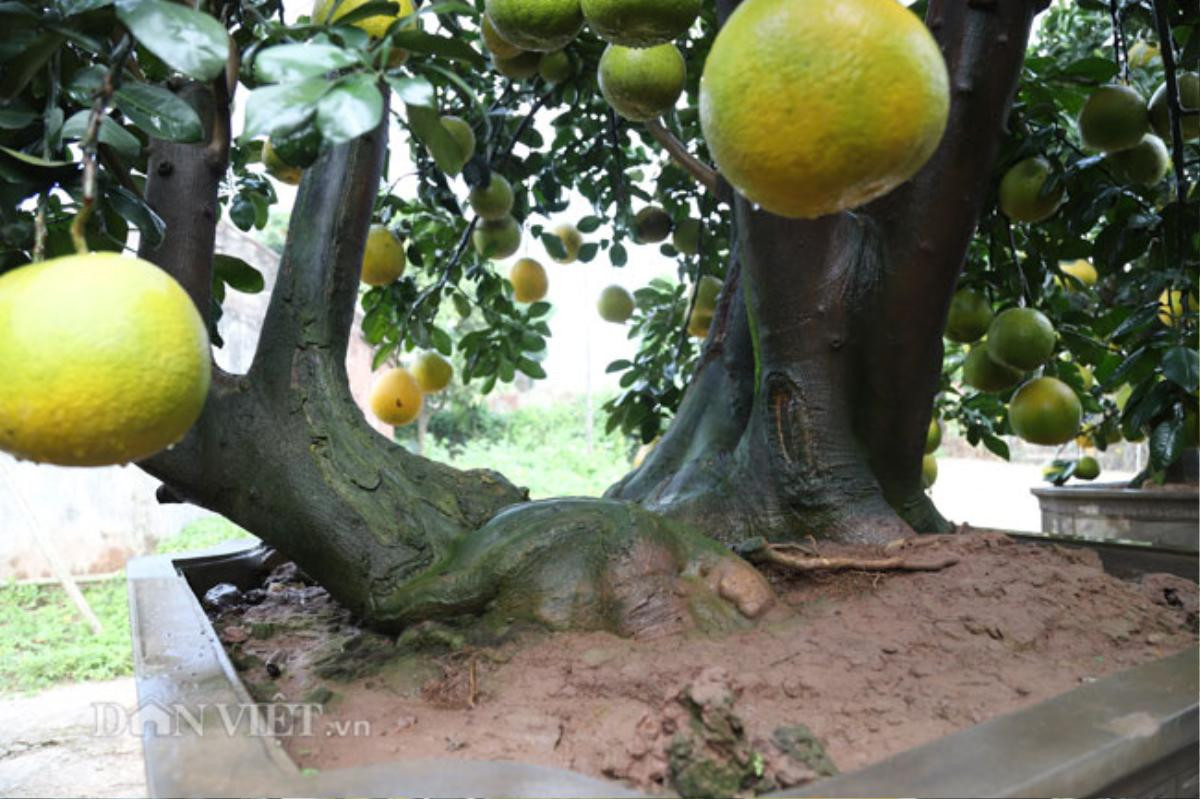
{"x":793,"y":398}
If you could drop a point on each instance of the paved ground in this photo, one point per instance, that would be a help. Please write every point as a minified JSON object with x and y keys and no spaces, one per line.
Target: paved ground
{"x":48,"y":745}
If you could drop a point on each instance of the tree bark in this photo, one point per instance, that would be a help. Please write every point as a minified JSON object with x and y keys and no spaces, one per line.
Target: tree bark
{"x":284,"y":451}
{"x":844,"y":315}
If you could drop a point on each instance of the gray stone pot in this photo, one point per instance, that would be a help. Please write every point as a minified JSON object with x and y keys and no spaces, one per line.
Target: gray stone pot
{"x":1163,"y":516}
{"x":1132,"y":734}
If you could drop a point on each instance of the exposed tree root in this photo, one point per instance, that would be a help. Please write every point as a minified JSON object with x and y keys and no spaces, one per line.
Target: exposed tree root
{"x":803,"y":558}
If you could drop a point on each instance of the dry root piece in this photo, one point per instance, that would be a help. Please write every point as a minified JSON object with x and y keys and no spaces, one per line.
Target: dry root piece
{"x":798,"y":557}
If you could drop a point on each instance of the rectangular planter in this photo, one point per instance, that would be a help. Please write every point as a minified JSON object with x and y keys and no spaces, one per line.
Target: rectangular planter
{"x":1131,"y":734}
{"x":1165,"y":516}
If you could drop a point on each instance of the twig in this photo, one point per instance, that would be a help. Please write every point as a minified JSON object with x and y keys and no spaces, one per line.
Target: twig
{"x":39,"y":229}
{"x":88,"y":143}
{"x":1120,"y":49}
{"x":443,"y":279}
{"x":704,"y":174}
{"x":1012,"y":244}
{"x":1174,"y":106}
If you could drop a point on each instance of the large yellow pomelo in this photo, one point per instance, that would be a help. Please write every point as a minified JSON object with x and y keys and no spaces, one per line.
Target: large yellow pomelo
{"x":375,"y":26}
{"x":1113,"y":118}
{"x":396,"y":398}
{"x":539,"y":25}
{"x":1189,"y":99}
{"x":497,"y":238}
{"x":1022,"y":194}
{"x":1045,"y":411}
{"x":432,"y":372}
{"x":384,"y":260}
{"x":615,"y":305}
{"x":642,"y":83}
{"x":640,"y":23}
{"x":529,"y":281}
{"x":812,"y":107}
{"x":103,"y":360}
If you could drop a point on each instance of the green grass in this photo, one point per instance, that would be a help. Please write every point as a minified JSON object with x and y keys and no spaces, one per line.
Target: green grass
{"x":43,"y":641}
{"x":545,"y":449}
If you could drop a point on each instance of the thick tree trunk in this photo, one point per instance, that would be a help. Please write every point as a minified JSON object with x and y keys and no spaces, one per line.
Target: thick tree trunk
{"x":805,"y":417}
{"x":284,"y":451}
{"x":843,"y":325}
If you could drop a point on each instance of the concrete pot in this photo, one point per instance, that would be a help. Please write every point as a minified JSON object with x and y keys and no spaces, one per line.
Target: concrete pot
{"x":1131,"y":734}
{"x":1163,"y":516}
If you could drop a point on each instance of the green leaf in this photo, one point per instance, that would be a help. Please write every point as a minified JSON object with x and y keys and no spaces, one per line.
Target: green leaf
{"x":110,"y":133}
{"x":72,"y":7}
{"x":292,"y":62}
{"x":1092,"y":68}
{"x":996,"y":445}
{"x":1181,"y":365}
{"x":279,"y":109}
{"x":427,"y":126}
{"x":1166,"y":443}
{"x":353,"y":107}
{"x":158,"y":112}
{"x":618,"y":255}
{"x":137,"y":213}
{"x":414,"y":91}
{"x":554,"y":246}
{"x":238,"y":274}
{"x":34,"y":161}
{"x":15,"y":120}
{"x":589,"y":224}
{"x":418,"y":41}
{"x":187,"y":40}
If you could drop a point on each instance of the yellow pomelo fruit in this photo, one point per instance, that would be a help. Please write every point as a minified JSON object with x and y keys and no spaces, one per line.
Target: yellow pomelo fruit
{"x":496,"y":44}
{"x":981,"y":373}
{"x":1170,"y":306}
{"x":555,"y":67}
{"x":493,"y":201}
{"x":651,"y":225}
{"x":462,"y":134}
{"x":1021,"y":338}
{"x":812,"y":107}
{"x":699,"y":323}
{"x":432,"y":372}
{"x":1045,"y":411}
{"x":572,"y":242}
{"x":1087,"y":468}
{"x":1082,"y":270}
{"x":1143,"y":164}
{"x":642,"y":84}
{"x":540,"y":25}
{"x":103,"y":360}
{"x":383,"y":259}
{"x":640,"y":23}
{"x":396,"y":398}
{"x":1142,"y":54}
{"x":615,"y":305}
{"x":375,"y":26}
{"x":707,"y":292}
{"x":933,"y":436}
{"x":969,"y":318}
{"x":1189,"y":98}
{"x":497,"y":238}
{"x":529,"y":280}
{"x":1113,"y":118}
{"x":686,"y":238}
{"x":519,"y":67}
{"x":929,"y":471}
{"x":643,"y":452}
{"x":1021,"y":191}
{"x":278,"y":168}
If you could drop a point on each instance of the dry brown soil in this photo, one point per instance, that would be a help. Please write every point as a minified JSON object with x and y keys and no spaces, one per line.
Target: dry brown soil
{"x":871,"y":663}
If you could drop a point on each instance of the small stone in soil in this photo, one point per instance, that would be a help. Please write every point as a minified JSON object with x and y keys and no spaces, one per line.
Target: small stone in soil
{"x":222,"y":596}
